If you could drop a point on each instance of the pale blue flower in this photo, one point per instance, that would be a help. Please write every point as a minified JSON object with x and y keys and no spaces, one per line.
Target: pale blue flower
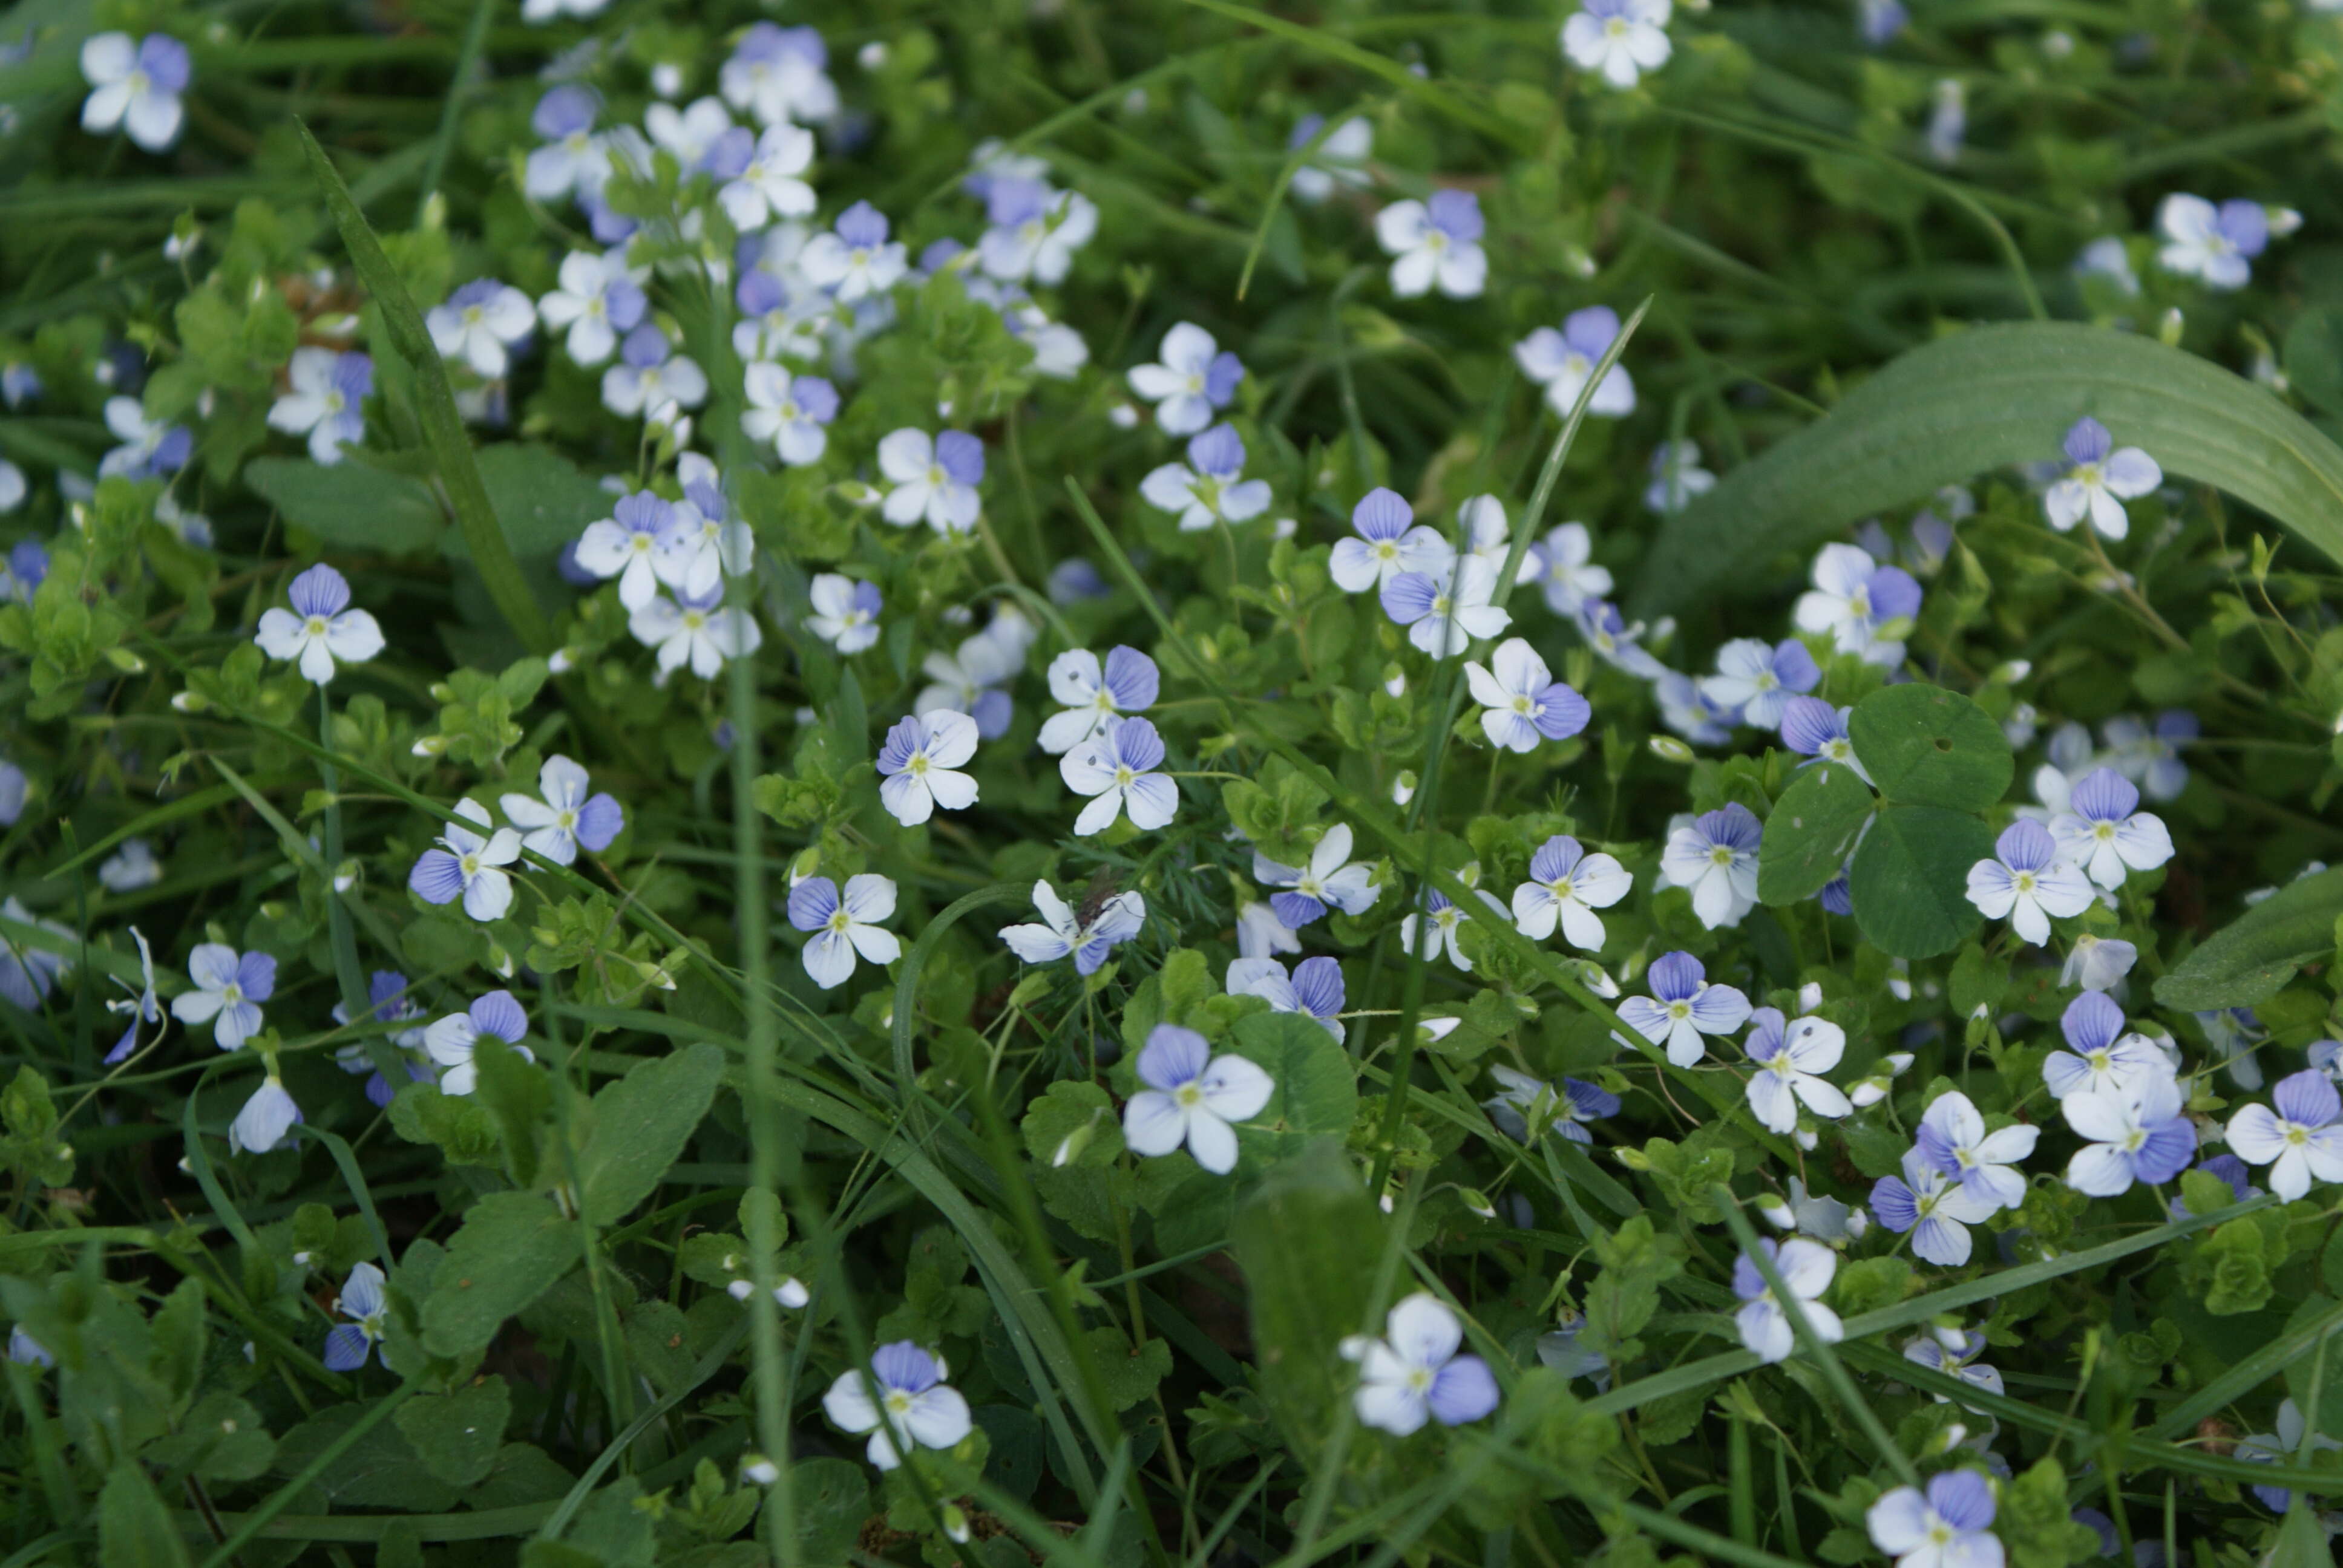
{"x":1117,"y":919}
{"x":2216,"y":245}
{"x":1684,"y":1006}
{"x":1415,"y":1373}
{"x":226,"y":989}
{"x":1807,"y":1267}
{"x":1949,"y":1527}
{"x":1209,"y":487}
{"x":1192,"y":1097}
{"x":136,"y":86}
{"x":1715,"y":857}
{"x":914,"y":1407}
{"x":363,"y":1302}
{"x":450,"y":1040}
{"x":1758,"y":681}
{"x":1934,"y":1207}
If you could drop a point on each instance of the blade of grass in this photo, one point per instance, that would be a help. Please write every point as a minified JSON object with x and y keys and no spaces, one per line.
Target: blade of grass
{"x":443,"y":426}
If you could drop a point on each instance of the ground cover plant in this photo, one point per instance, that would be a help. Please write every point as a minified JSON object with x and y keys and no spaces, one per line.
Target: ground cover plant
{"x":1167,"y":783}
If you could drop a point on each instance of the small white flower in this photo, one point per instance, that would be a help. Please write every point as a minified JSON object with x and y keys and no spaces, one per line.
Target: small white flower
{"x":1436,"y":242}
{"x":2106,"y":833}
{"x":1414,"y":1373}
{"x":844,"y":924}
{"x":480,"y":324}
{"x":1807,"y":1267}
{"x":227,"y":990}
{"x":1620,"y":38}
{"x":1567,"y":886}
{"x":136,"y":86}
{"x":1192,"y":1097}
{"x":2099,"y":479}
{"x":1521,"y":702}
{"x":320,"y":628}
{"x":845,"y":612}
{"x":1715,"y":856}
{"x":919,"y":763}
{"x":2028,"y":883}
{"x":1115,"y":768}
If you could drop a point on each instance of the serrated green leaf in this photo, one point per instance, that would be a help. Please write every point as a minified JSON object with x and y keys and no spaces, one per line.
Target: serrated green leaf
{"x":1925,"y":746}
{"x":1984,"y":400}
{"x":511,"y":1249}
{"x":1909,"y":883}
{"x":640,"y":1125}
{"x":457,"y":1436}
{"x":2251,"y":959}
{"x":349,"y":505}
{"x":1308,"y":1241}
{"x":1811,"y":833}
{"x":1317,"y":1092}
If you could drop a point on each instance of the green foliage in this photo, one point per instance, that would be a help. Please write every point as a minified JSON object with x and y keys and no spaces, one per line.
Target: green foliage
{"x":2250,"y":960}
{"x":1811,"y":832}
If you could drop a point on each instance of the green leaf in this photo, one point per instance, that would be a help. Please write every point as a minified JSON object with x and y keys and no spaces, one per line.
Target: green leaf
{"x":832,"y":1499}
{"x":349,"y":505}
{"x":458,"y":1434}
{"x":640,"y":1125}
{"x":1909,"y":883}
{"x":380,"y":1470}
{"x":2251,"y":959}
{"x":513,"y":1246}
{"x":518,"y":1094}
{"x":1925,"y":746}
{"x":1317,"y":1092}
{"x":443,"y":426}
{"x":2302,"y":1540}
{"x":134,"y":1528}
{"x":1811,"y":832}
{"x":1983,"y":399}
{"x":1308,"y":1241}
{"x":2314,"y":358}
{"x":542,"y":498}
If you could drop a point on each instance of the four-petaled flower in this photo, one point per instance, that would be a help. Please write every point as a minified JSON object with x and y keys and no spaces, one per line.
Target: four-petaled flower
{"x":1567,"y":580}
{"x":1758,"y":682}
{"x":1093,"y":695}
{"x":2104,"y":832}
{"x":912,"y":1406}
{"x":368,"y":1309}
{"x":1448,"y":607}
{"x":844,"y":925}
{"x":1116,"y":768}
{"x":1330,"y":878}
{"x":1620,"y":38}
{"x":1805,"y":1267}
{"x":228,"y":991}
{"x":1207,"y":488}
{"x":598,"y":299}
{"x":918,"y":766}
{"x":1032,"y":231}
{"x":761,"y":174}
{"x":2137,"y":1133}
{"x":1854,"y":596}
{"x":1192,"y":1097}
{"x":1937,"y":1210}
{"x":697,"y":630}
{"x":2215,"y":243}
{"x":468,"y":865}
{"x":1387,"y":542}
{"x":326,"y":391}
{"x":1521,"y":702}
{"x":934,"y":478}
{"x":2300,"y":1139}
{"x":1950,"y":1527}
{"x":647,"y":378}
{"x":793,"y":413}
{"x":1715,"y":856}
{"x":1952,"y":1138}
{"x":1791,"y":1058}
{"x":2102,"y":1056}
{"x":1414,"y":1374}
{"x":563,"y":816}
{"x":845,"y":611}
{"x":626,"y":546}
{"x":855,"y":257}
{"x":450,"y":1040}
{"x":1683,"y":1007}
{"x":2100,"y":477}
{"x":480,"y":324}
{"x":1563,"y":362}
{"x":2026,"y":882}
{"x":1567,"y":886}
{"x":1435,"y":242}
{"x":1116,"y":921}
{"x":1315,"y":988}
{"x":136,"y":86}
{"x":320,"y":628}
{"x":1194,"y":377}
